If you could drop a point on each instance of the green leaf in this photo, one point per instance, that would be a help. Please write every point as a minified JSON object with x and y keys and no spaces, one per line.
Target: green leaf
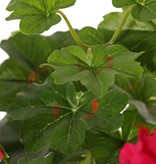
{"x":141,"y":41}
{"x":136,"y":36}
{"x":60,"y":123}
{"x":123,"y":3}
{"x":44,"y":160}
{"x":28,"y":51}
{"x":112,"y":20}
{"x":22,"y":68}
{"x":145,"y":11}
{"x":81,"y":157}
{"x":141,"y":95}
{"x":97,"y":73}
{"x":8,"y":93}
{"x":36,"y":16}
{"x":51,"y":110}
{"x":148,"y":115}
{"x":108,"y":117}
{"x":91,"y":36}
{"x":130,"y":125}
{"x":103,"y":147}
{"x":37,"y":24}
{"x":66,"y":134}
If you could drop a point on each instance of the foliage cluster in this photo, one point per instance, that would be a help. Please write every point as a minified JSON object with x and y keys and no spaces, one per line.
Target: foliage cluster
{"x":76,"y":97}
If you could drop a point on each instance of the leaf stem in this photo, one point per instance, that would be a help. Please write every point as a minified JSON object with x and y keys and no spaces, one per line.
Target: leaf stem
{"x":121,"y":24}
{"x":72,"y":31}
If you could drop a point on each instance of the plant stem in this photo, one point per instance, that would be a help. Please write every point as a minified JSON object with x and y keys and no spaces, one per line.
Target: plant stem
{"x":120,"y":133}
{"x":121,"y":24}
{"x":72,"y":31}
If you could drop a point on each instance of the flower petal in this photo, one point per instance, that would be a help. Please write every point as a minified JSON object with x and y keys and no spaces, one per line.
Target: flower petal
{"x":143,"y":133}
{"x":126,"y":153}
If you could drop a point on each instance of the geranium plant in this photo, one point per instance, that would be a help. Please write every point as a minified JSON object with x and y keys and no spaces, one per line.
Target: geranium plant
{"x":77,"y":97}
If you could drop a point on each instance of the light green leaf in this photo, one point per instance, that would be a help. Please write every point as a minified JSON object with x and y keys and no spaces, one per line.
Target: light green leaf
{"x":36,"y":16}
{"x":112,"y":20}
{"x":97,"y":74}
{"x":123,"y":3}
{"x":38,"y":24}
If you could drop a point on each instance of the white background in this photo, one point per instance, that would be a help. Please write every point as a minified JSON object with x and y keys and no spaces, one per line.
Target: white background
{"x":83,"y":13}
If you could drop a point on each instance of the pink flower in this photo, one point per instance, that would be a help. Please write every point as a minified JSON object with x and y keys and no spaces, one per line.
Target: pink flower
{"x":1,"y":155}
{"x":143,"y":152}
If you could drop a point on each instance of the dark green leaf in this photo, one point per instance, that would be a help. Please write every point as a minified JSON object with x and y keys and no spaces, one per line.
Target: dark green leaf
{"x":108,"y":117}
{"x":66,"y":134}
{"x":96,"y":70}
{"x":22,"y":68}
{"x":36,"y":16}
{"x":52,"y":105}
{"x":141,"y":41}
{"x":103,"y":147}
{"x":31,"y":51}
{"x":81,"y":157}
{"x":8,"y":92}
{"x":48,"y":159}
{"x":52,"y":110}
{"x":141,"y":95}
{"x":130,"y":125}
{"x":139,"y":90}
